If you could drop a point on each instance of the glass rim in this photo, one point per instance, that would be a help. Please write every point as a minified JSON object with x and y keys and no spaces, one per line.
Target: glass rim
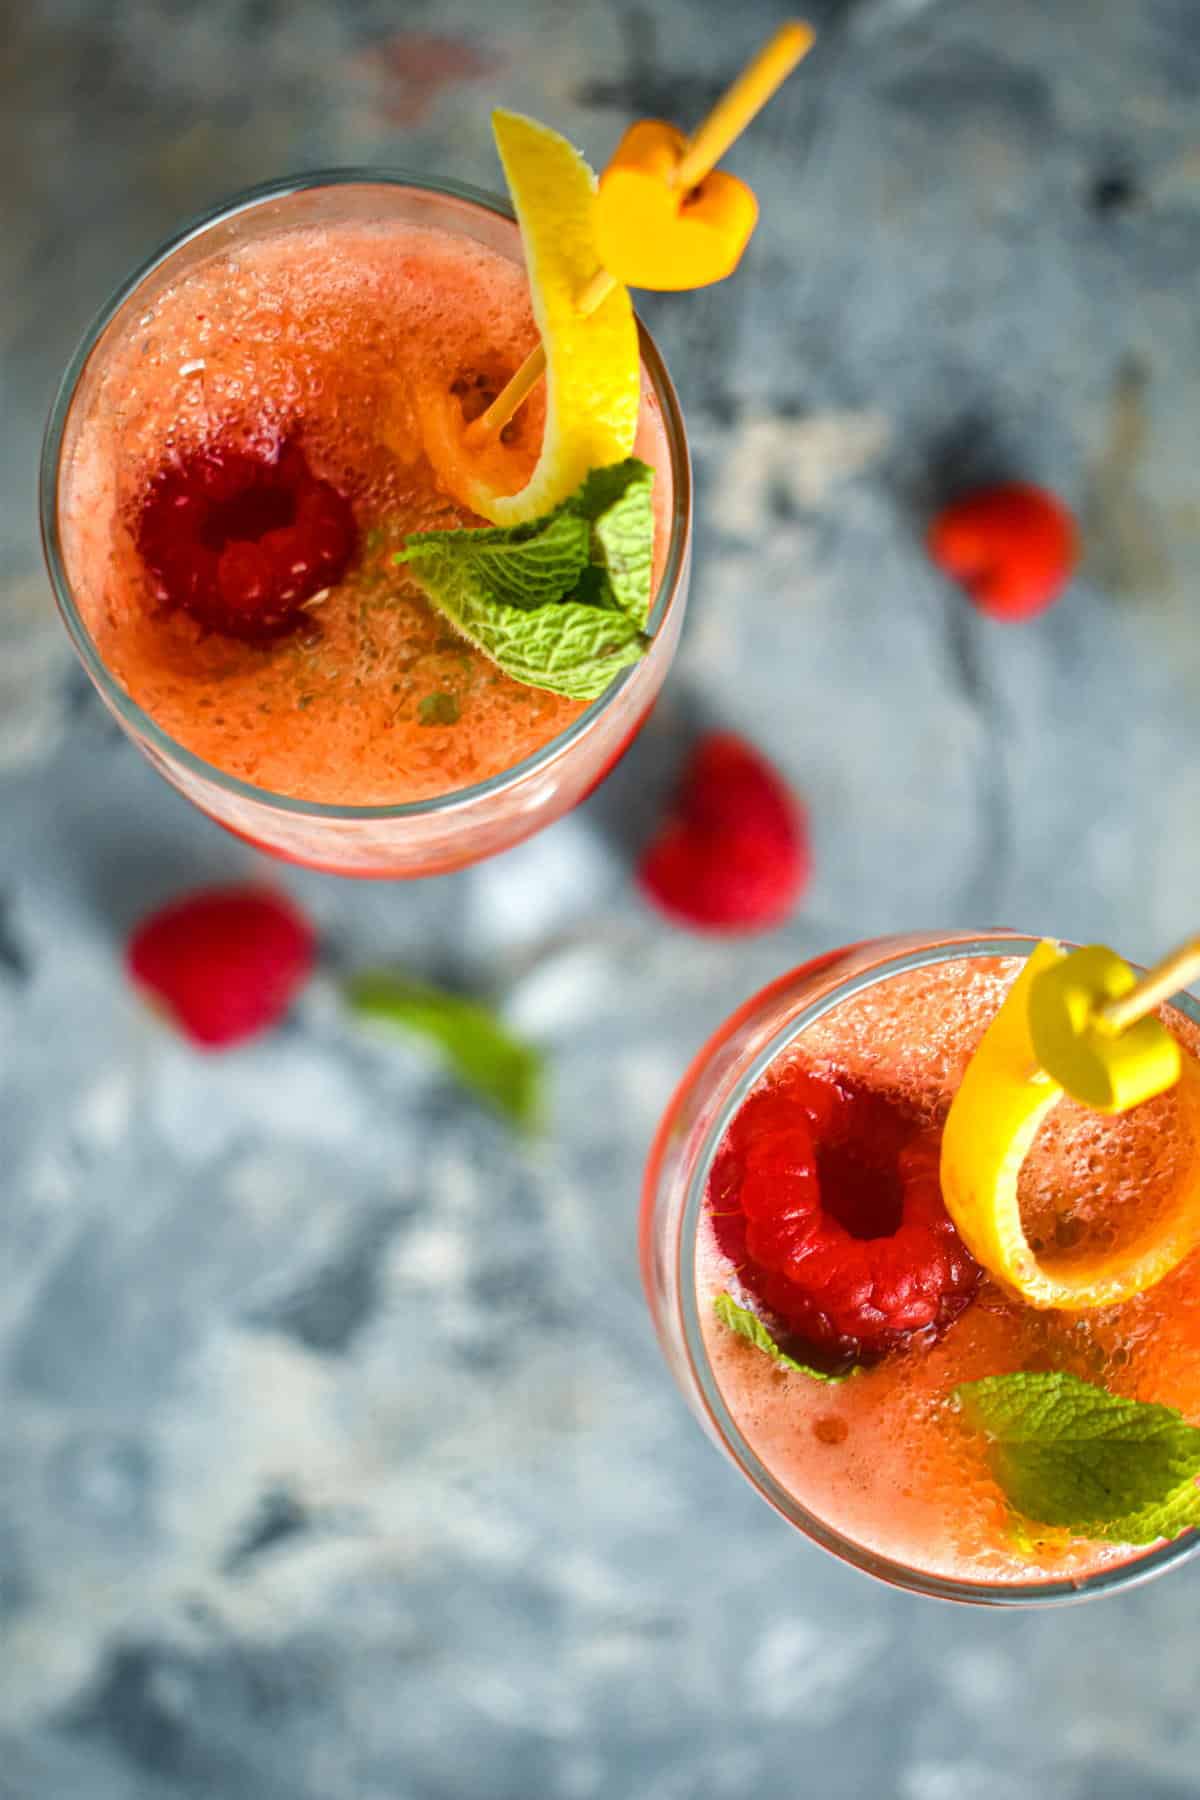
{"x":1061,"y":1592}
{"x":127,"y":710}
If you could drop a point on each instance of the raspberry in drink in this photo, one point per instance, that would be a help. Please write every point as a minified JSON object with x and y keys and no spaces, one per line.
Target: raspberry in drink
{"x":888,"y":1394}
{"x":245,"y":467}
{"x":334,"y":559}
{"x":239,"y":457}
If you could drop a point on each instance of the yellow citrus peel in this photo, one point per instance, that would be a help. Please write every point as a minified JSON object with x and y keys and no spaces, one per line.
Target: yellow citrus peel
{"x":593,"y":379}
{"x":654,"y":233}
{"x":1108,"y":1070}
{"x":1004,"y":1097}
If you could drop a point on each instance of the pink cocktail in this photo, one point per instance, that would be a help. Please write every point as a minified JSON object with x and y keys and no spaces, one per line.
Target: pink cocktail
{"x":301,"y":326}
{"x":881,"y":1467}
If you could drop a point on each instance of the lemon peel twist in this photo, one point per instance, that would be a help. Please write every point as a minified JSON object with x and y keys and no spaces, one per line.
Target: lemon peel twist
{"x":593,"y":390}
{"x":1003,"y":1100}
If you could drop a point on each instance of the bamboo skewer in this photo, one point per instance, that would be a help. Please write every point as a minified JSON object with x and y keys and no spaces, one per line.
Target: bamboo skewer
{"x":763,"y":75}
{"x":518,"y":387}
{"x":740,"y":103}
{"x":1157,"y":985}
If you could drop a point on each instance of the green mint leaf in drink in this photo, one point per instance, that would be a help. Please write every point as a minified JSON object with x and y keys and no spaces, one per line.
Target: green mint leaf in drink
{"x":749,"y":1326}
{"x":525,"y":566}
{"x":571,"y":650}
{"x":616,"y":502}
{"x":438,"y":709}
{"x":468,"y":1037}
{"x":1070,"y":1454}
{"x":559,"y":602}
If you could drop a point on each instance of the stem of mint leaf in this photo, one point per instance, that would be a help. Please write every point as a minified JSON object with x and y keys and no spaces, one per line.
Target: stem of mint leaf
{"x":1067,"y":1453}
{"x":560,"y":602}
{"x":749,"y":1326}
{"x":486,"y":1058}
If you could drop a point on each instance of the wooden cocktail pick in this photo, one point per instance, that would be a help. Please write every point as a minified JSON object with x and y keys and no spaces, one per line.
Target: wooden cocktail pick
{"x":698,"y":156}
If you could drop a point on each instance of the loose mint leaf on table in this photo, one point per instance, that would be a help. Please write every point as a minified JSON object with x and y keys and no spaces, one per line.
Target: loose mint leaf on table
{"x":749,"y":1326}
{"x":488,"y":1060}
{"x":1070,"y":1454}
{"x":559,"y":602}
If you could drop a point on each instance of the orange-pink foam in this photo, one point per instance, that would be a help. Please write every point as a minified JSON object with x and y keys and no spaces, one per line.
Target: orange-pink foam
{"x":326,"y":333}
{"x":884,"y":1458}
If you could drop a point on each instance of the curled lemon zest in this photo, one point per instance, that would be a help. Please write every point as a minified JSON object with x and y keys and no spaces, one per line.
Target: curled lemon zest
{"x":593,"y":377}
{"x":1000,"y":1106}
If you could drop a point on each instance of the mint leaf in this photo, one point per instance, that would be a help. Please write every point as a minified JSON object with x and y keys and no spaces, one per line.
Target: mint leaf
{"x":475,"y":1046}
{"x":522,"y":565}
{"x":438,"y":709}
{"x":749,"y":1326}
{"x":1069,"y":1453}
{"x":568,"y":649}
{"x":559,"y":602}
{"x":617,"y":502}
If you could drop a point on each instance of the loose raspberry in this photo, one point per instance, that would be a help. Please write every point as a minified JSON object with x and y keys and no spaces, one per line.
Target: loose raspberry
{"x":733,"y":855}
{"x":225,"y":962}
{"x":1013,"y":548}
{"x":827,"y":1200}
{"x":241,"y":540}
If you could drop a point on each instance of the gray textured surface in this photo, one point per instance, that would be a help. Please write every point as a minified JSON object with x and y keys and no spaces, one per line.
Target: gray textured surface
{"x":336,"y":1462}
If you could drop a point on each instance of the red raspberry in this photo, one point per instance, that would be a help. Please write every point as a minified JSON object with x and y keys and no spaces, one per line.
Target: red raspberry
{"x":733,"y":854}
{"x":1014,"y":548}
{"x":827,"y":1200}
{"x":241,"y":540}
{"x":225,"y":962}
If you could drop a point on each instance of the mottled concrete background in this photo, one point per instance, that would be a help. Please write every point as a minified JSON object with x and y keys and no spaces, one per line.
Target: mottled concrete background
{"x":336,"y":1461}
